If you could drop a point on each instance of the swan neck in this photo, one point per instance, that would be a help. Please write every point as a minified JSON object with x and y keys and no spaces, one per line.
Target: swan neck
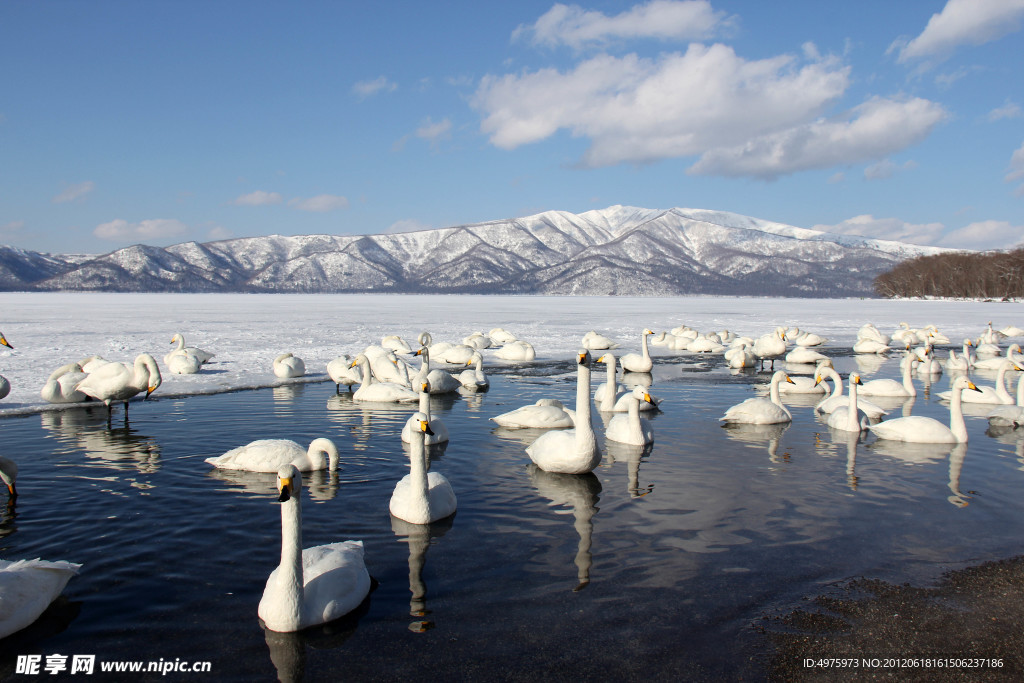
{"x":583,"y":398}
{"x":956,"y":415}
{"x":773,"y":391}
{"x":851,"y":413}
{"x":1020,"y":391}
{"x":643,"y":346}
{"x":418,"y":467}
{"x":425,"y":404}
{"x":290,"y":571}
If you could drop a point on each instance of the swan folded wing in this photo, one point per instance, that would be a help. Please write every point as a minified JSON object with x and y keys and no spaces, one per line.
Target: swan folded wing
{"x":757,"y":411}
{"x":536,"y":417}
{"x":555,"y":451}
{"x":336,"y":581}
{"x":27,"y":587}
{"x":263,"y":455}
{"x":916,"y":428}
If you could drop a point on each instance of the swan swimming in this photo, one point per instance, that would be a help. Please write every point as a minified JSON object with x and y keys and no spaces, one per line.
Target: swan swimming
{"x":27,"y":587}
{"x":383,"y":392}
{"x":630,"y":428}
{"x":642,"y":362}
{"x":546,"y":413}
{"x":920,"y":429}
{"x":421,"y":497}
{"x":1011,"y":415}
{"x":474,"y":379}
{"x":836,"y":400}
{"x":618,"y":402}
{"x":762,"y":410}
{"x":890,"y":387}
{"x":438,"y":429}
{"x":441,"y":382}
{"x":117,"y":382}
{"x":270,"y":455}
{"x":286,"y":365}
{"x":571,"y":451}
{"x":850,"y":418}
{"x":995,"y":394}
{"x":315,"y":585}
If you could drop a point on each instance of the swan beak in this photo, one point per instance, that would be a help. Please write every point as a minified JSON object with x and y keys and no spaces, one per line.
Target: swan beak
{"x":790,"y":380}
{"x":285,"y":485}
{"x":425,"y":388}
{"x":425,"y":428}
{"x":856,"y":380}
{"x":420,"y":351}
{"x":647,"y":397}
{"x":149,"y":390}
{"x":3,"y":340}
{"x":12,"y":491}
{"x":601,"y":359}
{"x":353,"y":364}
{"x":971,"y":385}
{"x":817,"y":380}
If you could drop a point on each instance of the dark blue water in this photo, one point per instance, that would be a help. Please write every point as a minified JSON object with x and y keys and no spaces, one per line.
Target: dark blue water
{"x":657,"y":565}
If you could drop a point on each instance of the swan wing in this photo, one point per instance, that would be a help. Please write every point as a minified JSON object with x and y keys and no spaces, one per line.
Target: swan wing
{"x":27,"y":587}
{"x":915,"y":428}
{"x":263,"y":455}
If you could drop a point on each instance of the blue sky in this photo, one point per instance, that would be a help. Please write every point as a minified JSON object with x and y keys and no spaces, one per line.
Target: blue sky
{"x":162,"y":122}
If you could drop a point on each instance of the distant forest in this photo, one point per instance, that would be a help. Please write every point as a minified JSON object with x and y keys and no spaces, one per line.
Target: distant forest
{"x":989,"y":275}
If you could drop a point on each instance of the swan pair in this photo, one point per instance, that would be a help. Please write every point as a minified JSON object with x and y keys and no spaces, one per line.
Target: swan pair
{"x":995,"y":394}
{"x":380,"y":392}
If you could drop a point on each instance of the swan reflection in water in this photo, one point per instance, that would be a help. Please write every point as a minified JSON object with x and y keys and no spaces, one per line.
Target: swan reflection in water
{"x":759,"y":435}
{"x":632,"y":456}
{"x":321,"y":484}
{"x":419,"y":537}
{"x":119,"y":448}
{"x":580,"y":492}
{"x":927,"y":454}
{"x":288,"y":650}
{"x":368,"y":420}
{"x":1010,"y":435}
{"x":844,"y":440}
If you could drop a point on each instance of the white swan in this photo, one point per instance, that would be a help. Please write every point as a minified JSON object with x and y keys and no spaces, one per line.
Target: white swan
{"x":619,"y":401}
{"x":836,"y":400}
{"x":287,"y":365}
{"x":9,"y":476}
{"x":770,"y":346}
{"x":474,"y":379}
{"x":117,"y":382}
{"x":341,"y":372}
{"x":920,"y":429}
{"x":630,"y":428}
{"x":803,"y":384}
{"x":421,"y":497}
{"x":386,"y":365}
{"x":806,"y":338}
{"x":869,"y":331}
{"x":184,"y":363}
{"x":60,"y":386}
{"x":383,"y":392}
{"x":270,"y":455}
{"x":438,"y":429}
{"x":849,"y":418}
{"x":441,"y":382}
{"x":457,"y":354}
{"x":890,"y":387}
{"x":27,"y":587}
{"x":641,"y":362}
{"x":546,"y":413}
{"x":92,"y":363}
{"x":802,"y":354}
{"x":395,"y":343}
{"x":1012,"y":353}
{"x":500,"y":335}
{"x":870,"y":346}
{"x":762,"y":410}
{"x":1011,"y":415}
{"x":570,"y":451}
{"x":478,"y":340}
{"x":5,"y":385}
{"x":179,"y":339}
{"x":517,"y":350}
{"x":595,"y":341}
{"x":995,"y":394}
{"x":315,"y":585}
{"x":961,"y":363}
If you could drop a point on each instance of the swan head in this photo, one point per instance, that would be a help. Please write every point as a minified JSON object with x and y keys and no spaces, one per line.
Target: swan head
{"x":647,"y":330}
{"x":289,"y":482}
{"x":418,"y":423}
{"x":3,"y":340}
{"x":425,"y":387}
{"x":424,"y":339}
{"x":606,"y":358}
{"x":583,"y":358}
{"x":641,"y":394}
{"x":855,"y":379}
{"x":8,"y":475}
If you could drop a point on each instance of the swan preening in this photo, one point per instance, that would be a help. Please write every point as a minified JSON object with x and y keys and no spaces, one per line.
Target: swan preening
{"x":9,"y":476}
{"x":571,"y":451}
{"x":313,"y":585}
{"x":60,"y":386}
{"x":270,"y":455}
{"x":421,"y":497}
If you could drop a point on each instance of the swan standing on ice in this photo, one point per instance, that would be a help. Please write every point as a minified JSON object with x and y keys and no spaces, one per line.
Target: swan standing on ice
{"x":438,"y":430}
{"x":474,"y":379}
{"x":571,"y":451}
{"x":630,"y":428}
{"x":341,"y":372}
{"x":762,"y":410}
{"x":383,"y":392}
{"x":270,"y":455}
{"x":770,"y":346}
{"x":546,"y":413}
{"x":920,"y":429}
{"x":633,"y":362}
{"x":421,"y":497}
{"x":60,"y":386}
{"x":179,"y":339}
{"x":286,"y":365}
{"x":117,"y":382}
{"x":315,"y":585}
{"x":850,"y":418}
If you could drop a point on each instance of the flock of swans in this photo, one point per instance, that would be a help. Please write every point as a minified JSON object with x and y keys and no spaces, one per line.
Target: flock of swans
{"x":319,"y":584}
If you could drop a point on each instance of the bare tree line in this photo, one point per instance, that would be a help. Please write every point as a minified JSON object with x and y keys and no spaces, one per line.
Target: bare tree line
{"x":983,"y":275}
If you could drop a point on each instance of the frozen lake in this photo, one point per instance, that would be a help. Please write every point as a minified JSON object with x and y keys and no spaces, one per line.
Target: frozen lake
{"x":656,"y":565}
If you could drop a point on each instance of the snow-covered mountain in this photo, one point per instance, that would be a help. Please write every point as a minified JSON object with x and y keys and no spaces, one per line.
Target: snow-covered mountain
{"x":618,"y":250}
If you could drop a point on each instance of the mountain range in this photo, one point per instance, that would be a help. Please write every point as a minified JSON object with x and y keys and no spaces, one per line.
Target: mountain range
{"x":619,"y":250}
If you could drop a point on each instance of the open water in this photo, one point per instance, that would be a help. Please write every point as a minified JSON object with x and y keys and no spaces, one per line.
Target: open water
{"x":659,"y":565}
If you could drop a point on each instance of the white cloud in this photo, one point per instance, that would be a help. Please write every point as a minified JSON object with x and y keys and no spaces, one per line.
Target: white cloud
{"x":640,"y":110}
{"x":886,"y":169}
{"x":408,"y":225}
{"x":962,"y":22}
{"x":867,"y":225}
{"x":1010,"y":110}
{"x":1017,"y":169}
{"x":364,"y":89}
{"x":875,"y":129}
{"x":258,"y":198}
{"x":984,"y":235}
{"x":12,"y":228}
{"x":434,"y":132}
{"x":662,"y":19}
{"x":151,"y":229}
{"x":73,"y":192}
{"x":322,"y":203}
